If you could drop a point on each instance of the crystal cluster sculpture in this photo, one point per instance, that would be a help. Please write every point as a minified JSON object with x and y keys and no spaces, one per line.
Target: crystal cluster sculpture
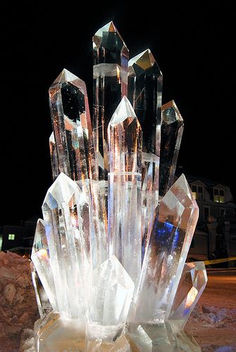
{"x":109,"y":256}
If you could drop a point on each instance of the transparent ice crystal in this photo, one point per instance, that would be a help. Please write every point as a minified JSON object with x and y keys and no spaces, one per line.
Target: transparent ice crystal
{"x":109,"y":255}
{"x":191,"y":285}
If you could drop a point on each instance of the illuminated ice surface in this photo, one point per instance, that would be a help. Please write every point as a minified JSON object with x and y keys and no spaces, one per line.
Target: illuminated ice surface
{"x":109,"y":255}
{"x":125,"y":146}
{"x":170,"y":238}
{"x":66,"y":215}
{"x":191,"y":285}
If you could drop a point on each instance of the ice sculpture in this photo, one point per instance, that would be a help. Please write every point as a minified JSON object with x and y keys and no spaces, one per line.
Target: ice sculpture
{"x":109,"y":252}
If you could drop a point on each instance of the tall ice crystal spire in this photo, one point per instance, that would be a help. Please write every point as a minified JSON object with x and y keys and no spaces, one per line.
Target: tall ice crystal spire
{"x":109,"y":252}
{"x":125,"y":151}
{"x":171,"y":135}
{"x":145,"y":93}
{"x":110,"y":79}
{"x":72,"y":126}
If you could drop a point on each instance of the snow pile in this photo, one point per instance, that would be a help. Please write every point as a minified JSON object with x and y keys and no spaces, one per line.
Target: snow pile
{"x":18,"y":308}
{"x":27,"y":341}
{"x":214,"y":328}
{"x":212,"y":316}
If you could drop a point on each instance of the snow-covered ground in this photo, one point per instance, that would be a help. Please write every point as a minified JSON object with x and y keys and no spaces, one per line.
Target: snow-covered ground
{"x":213,"y":322}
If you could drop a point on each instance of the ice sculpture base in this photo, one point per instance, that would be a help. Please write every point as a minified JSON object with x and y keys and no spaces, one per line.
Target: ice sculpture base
{"x":160,"y":337}
{"x":106,"y":338}
{"x":54,"y":334}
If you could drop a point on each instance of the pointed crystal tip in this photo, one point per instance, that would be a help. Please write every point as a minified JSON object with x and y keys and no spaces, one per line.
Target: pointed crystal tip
{"x":144,"y":61}
{"x":65,"y":76}
{"x":61,"y":191}
{"x":123,"y":110}
{"x":109,"y":27}
{"x":114,"y":49}
{"x":112,"y":293}
{"x":181,"y":190}
{"x":40,"y":239}
{"x":171,"y":113}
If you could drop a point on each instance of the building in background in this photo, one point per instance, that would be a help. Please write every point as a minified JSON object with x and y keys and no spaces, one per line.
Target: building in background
{"x":18,"y":238}
{"x":215,"y":236}
{"x":12,"y":237}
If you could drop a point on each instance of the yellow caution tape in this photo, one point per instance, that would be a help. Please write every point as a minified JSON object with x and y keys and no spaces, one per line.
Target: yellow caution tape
{"x":216,"y":261}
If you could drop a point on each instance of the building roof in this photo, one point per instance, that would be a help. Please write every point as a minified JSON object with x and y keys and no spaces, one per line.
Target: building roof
{"x":208,"y":182}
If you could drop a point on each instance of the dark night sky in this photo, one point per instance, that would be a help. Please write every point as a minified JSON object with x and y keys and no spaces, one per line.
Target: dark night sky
{"x":193,"y":43}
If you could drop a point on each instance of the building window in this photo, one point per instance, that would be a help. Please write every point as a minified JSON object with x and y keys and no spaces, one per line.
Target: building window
{"x":219,"y":195}
{"x":216,"y":198}
{"x":222,"y":199}
{"x":197,"y":192}
{"x":11,"y":236}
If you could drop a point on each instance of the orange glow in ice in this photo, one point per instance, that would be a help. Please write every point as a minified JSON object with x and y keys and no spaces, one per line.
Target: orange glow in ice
{"x":118,"y":73}
{"x":191,"y":297}
{"x":42,"y":253}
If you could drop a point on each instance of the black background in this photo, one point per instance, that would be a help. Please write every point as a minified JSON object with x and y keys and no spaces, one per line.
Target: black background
{"x":193,"y":43}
